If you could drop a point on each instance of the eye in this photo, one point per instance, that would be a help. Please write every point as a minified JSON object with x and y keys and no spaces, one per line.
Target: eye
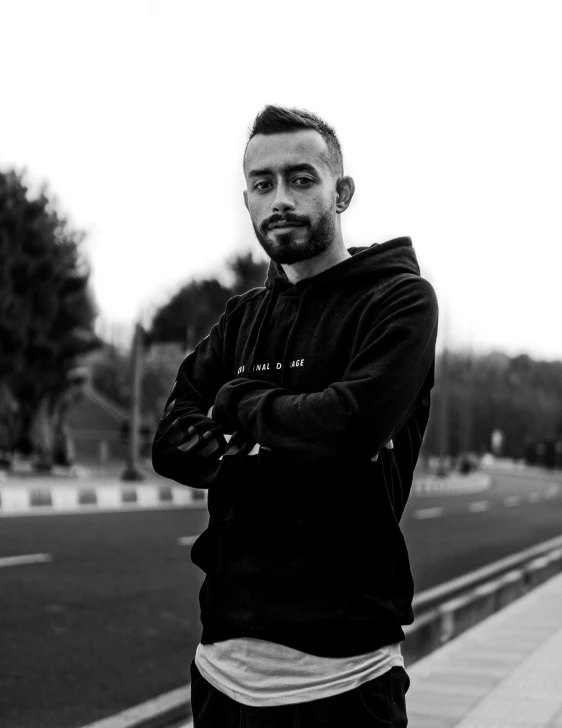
{"x":303,"y":181}
{"x":261,"y":185}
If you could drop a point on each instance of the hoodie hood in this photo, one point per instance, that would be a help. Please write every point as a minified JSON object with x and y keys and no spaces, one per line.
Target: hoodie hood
{"x":374,"y":262}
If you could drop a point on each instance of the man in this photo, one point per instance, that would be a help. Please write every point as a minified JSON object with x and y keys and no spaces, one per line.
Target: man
{"x":303,"y":413}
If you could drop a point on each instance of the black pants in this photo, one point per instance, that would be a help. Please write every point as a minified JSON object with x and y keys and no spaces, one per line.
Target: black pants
{"x":376,"y":703}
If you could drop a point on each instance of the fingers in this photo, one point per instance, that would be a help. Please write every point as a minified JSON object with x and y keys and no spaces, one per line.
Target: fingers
{"x":209,"y":444}
{"x":204,"y":444}
{"x":191,"y":442}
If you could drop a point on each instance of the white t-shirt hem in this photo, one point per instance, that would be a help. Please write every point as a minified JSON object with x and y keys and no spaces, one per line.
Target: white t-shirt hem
{"x":226,"y":664}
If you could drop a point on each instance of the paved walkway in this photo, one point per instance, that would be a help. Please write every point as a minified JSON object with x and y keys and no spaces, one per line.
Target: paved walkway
{"x":504,"y":673}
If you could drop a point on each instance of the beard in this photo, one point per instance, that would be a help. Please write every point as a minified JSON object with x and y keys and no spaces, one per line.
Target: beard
{"x":287,"y":248}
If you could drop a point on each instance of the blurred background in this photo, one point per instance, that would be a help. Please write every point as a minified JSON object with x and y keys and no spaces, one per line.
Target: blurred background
{"x":123,"y":234}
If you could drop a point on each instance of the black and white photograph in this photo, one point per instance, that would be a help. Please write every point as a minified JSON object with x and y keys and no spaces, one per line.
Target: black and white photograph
{"x":280,"y":364}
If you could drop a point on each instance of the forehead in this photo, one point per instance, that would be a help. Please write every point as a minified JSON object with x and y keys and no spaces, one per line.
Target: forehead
{"x":274,"y":151}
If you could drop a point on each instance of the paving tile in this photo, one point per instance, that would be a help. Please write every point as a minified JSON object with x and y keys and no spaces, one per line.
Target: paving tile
{"x":504,"y":673}
{"x":430,"y":721}
{"x":556,"y":721}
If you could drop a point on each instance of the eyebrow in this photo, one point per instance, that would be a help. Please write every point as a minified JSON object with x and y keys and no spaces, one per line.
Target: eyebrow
{"x":304,"y":167}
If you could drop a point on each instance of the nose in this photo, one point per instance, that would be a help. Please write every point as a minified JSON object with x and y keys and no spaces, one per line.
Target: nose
{"x":282,"y":202}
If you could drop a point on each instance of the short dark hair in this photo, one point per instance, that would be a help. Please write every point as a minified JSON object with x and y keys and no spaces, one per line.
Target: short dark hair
{"x":281,"y":120}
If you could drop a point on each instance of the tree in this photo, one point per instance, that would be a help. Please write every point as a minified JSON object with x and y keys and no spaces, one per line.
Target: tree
{"x":519,"y":396}
{"x":190,"y":314}
{"x":248,"y":272}
{"x":47,"y":313}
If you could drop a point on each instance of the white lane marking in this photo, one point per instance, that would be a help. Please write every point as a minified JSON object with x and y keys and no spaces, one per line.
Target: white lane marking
{"x":534,"y":497}
{"x":24,"y":559}
{"x":188,"y":540}
{"x":512,"y":500}
{"x":478,"y":506}
{"x":423,"y":513}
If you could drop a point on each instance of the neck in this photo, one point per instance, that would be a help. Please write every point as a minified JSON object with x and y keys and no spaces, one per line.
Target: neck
{"x":336,"y":253}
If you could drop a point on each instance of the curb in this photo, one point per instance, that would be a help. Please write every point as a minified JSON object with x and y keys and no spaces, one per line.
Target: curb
{"x":92,"y":497}
{"x":165,"y":711}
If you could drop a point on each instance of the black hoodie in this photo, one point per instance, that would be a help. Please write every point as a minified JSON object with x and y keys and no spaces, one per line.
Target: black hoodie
{"x":303,"y":546}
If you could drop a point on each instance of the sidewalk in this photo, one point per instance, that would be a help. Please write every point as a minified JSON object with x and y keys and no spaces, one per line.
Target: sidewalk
{"x":504,"y":673}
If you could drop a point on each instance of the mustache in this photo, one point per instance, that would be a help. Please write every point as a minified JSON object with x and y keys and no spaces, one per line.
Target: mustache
{"x":275,"y":219}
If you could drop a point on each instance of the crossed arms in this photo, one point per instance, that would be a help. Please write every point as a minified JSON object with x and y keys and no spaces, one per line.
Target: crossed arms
{"x":359,"y":414}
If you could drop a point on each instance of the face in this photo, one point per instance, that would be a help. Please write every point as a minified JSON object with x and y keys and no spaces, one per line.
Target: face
{"x":291,"y":194}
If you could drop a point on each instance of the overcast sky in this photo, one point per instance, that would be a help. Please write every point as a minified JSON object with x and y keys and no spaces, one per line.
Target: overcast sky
{"x":449,"y":114}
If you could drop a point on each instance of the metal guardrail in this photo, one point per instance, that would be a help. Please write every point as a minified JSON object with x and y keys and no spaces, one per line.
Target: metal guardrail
{"x":431,"y":597}
{"x":448,"y":610}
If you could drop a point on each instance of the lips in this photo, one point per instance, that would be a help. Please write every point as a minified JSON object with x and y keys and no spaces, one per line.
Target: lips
{"x":285,"y":225}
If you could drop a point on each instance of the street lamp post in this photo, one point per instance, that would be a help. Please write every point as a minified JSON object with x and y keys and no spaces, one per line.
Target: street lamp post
{"x":131,"y":472}
{"x":443,"y":412}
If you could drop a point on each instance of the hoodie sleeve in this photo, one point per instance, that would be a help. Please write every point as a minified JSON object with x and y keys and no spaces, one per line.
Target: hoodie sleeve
{"x":378,"y":391}
{"x":177,"y":454}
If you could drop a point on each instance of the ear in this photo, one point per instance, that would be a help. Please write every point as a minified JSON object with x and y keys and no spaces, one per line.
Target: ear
{"x":246,"y":200}
{"x":345,"y":187}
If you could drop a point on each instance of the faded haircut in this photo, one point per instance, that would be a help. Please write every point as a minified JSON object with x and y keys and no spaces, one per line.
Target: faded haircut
{"x":281,"y":120}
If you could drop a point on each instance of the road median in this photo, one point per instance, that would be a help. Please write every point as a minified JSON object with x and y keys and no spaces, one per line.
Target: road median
{"x":45,"y":497}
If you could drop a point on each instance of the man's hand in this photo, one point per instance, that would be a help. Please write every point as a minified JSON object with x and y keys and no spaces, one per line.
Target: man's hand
{"x":389,"y":446}
{"x":205,"y":444}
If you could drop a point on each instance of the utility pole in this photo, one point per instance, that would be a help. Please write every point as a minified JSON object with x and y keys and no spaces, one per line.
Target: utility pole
{"x":467,"y":429}
{"x":443,"y":413}
{"x":131,"y":472}
{"x":444,"y":404}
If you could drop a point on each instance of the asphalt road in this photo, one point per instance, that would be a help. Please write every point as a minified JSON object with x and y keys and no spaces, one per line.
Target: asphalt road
{"x":112,"y":619}
{"x":465,"y":532}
